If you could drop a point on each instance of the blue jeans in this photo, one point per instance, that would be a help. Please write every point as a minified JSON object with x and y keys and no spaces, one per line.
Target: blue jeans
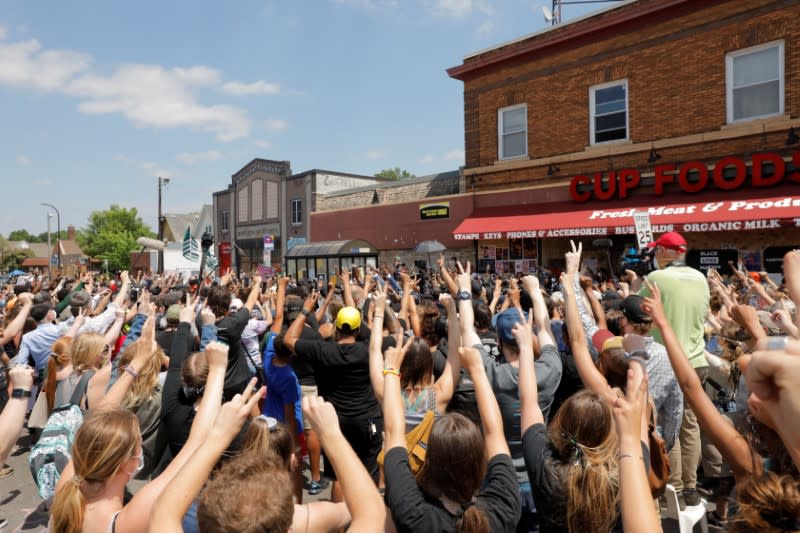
{"x":528,"y":522}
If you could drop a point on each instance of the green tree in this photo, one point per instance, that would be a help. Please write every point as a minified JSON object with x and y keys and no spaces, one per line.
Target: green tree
{"x":112,"y":235}
{"x":395,"y":173}
{"x":23,"y":235}
{"x":53,"y":236}
{"x":13,"y":258}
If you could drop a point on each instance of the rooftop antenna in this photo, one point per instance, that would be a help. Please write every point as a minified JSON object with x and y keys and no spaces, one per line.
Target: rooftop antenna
{"x":552,"y":15}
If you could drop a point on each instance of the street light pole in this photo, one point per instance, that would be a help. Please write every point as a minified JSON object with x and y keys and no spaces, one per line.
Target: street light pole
{"x":162,"y":182}
{"x":49,"y":247}
{"x":58,"y":236}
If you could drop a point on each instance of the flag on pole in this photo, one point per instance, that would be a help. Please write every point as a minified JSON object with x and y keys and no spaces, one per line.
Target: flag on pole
{"x":211,"y":261}
{"x":190,"y":246}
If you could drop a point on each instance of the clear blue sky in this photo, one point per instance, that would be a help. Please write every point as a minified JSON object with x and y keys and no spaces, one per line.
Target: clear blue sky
{"x":98,"y":98}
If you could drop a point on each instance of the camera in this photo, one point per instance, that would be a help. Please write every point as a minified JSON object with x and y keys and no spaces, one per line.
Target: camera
{"x":640,"y":263}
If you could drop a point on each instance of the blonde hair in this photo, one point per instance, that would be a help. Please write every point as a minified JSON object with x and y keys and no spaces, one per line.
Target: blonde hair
{"x":582,"y":432}
{"x":144,"y":385}
{"x":105,"y":440}
{"x":85,"y":351}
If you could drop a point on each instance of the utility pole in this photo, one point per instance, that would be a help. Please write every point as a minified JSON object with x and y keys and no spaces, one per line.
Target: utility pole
{"x":49,"y":247}
{"x":58,"y":236}
{"x":162,"y":182}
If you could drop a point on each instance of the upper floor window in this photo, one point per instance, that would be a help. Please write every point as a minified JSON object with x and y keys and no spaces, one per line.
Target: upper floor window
{"x":609,"y":112}
{"x":256,"y":199}
{"x":754,"y":82}
{"x":297,"y":211}
{"x":223,"y":221}
{"x":242,"y":207}
{"x":512,"y":131}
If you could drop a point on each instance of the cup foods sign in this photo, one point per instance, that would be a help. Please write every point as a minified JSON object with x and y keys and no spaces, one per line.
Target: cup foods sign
{"x":729,"y":173}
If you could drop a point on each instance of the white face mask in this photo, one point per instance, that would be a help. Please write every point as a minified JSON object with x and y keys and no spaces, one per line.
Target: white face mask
{"x":139,"y":467}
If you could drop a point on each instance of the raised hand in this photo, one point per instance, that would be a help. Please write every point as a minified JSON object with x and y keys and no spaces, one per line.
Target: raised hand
{"x":217,"y":355}
{"x":394,"y":356}
{"x":321,"y":415}
{"x":232,"y":414}
{"x":573,"y":257}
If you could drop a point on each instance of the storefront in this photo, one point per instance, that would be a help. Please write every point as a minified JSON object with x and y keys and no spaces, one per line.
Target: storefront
{"x":325,"y":259}
{"x":736,"y":204}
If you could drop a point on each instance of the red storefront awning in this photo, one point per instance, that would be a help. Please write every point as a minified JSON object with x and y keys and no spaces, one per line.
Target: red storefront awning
{"x":561,"y":220}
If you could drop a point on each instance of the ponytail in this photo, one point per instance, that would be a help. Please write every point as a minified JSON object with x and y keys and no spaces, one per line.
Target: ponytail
{"x":473,"y":521}
{"x":592,"y":497}
{"x":68,"y":507}
{"x":50,"y":384}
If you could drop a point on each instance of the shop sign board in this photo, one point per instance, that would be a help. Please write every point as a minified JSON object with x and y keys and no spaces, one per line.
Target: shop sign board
{"x":434,"y":211}
{"x":644,"y":234}
{"x":773,"y":258}
{"x":703,"y":260}
{"x":727,"y":174}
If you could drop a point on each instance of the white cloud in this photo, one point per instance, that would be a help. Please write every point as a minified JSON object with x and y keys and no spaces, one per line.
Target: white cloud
{"x":455,"y":155}
{"x":151,"y":95}
{"x":453,"y":8}
{"x":263,"y":144}
{"x":257,"y":87}
{"x":276,"y":124}
{"x":151,"y":168}
{"x":374,"y":154}
{"x":427,"y":159}
{"x":487,"y":27}
{"x":23,"y":160}
{"x":26,"y":65}
{"x":192,"y":158}
{"x":3,"y":32}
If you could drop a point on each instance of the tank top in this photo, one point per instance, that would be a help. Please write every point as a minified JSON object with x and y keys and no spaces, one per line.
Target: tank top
{"x":415,"y":410}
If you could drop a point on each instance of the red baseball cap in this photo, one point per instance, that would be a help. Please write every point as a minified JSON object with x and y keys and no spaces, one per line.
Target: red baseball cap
{"x":671,"y":240}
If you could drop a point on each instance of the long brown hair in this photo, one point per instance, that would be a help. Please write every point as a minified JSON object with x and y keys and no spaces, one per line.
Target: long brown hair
{"x":454,"y":468}
{"x":260,"y":440}
{"x":105,"y":440}
{"x":583,"y":436}
{"x":768,"y":504}
{"x":59,"y":358}
{"x":417,"y":366}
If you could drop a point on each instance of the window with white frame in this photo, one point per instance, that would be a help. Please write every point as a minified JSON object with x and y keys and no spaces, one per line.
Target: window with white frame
{"x":754,"y":83}
{"x":512,"y":131}
{"x":608,"y":105}
{"x":297,"y":211}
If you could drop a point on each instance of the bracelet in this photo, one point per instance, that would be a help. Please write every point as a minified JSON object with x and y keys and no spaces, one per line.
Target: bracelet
{"x":391,"y":371}
{"x":624,"y":455}
{"x":377,"y":316}
{"x":305,"y":312}
{"x":132,"y":371}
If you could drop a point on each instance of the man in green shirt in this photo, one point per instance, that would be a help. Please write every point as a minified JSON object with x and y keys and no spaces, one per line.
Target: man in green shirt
{"x":684,"y":292}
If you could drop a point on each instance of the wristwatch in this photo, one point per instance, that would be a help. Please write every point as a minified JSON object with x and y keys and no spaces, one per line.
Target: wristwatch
{"x":305,"y":312}
{"x":20,"y":393}
{"x":464,"y":295}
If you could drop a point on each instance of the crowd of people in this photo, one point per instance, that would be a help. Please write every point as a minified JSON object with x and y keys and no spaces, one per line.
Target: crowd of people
{"x":442,"y":400}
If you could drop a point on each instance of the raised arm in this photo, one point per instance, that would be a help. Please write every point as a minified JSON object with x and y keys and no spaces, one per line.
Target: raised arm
{"x":494,"y":438}
{"x":448,"y":279}
{"x":293,"y":333}
{"x":731,"y":444}
{"x":122,"y":295}
{"x":638,"y":513}
{"x":13,"y":415}
{"x":15,"y":326}
{"x":591,"y":377}
{"x":448,"y":381}
{"x":376,"y":344}
{"x":394,"y":423}
{"x":347,"y":293}
{"x":530,"y":411}
{"x":360,"y":494}
{"x":280,"y":304}
{"x":179,"y":493}
{"x":145,"y":348}
{"x":255,"y":292}
{"x":466,"y":315}
{"x":541,"y":316}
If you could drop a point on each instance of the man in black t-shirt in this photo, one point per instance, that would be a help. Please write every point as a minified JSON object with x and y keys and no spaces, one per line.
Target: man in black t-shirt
{"x":342,"y":373}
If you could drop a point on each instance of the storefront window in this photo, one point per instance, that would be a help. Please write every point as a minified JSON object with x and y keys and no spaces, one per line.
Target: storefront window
{"x":322,"y":266}
{"x":509,"y":256}
{"x":291,"y":268}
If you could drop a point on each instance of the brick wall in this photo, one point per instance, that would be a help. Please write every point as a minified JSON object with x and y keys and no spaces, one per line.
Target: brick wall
{"x":675,"y":67}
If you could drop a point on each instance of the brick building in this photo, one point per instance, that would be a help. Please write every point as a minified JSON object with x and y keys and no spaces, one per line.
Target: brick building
{"x":265,"y":199}
{"x":396,"y":216}
{"x":687,"y":109}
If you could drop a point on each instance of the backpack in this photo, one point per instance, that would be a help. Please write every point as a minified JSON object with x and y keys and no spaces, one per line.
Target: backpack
{"x":50,"y":455}
{"x":417,"y":443}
